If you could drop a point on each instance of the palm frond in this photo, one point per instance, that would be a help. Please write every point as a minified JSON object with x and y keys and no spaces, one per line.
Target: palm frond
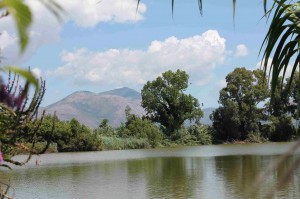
{"x":281,"y":44}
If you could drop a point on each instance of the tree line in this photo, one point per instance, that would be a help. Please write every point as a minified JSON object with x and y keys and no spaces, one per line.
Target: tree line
{"x":246,"y":113}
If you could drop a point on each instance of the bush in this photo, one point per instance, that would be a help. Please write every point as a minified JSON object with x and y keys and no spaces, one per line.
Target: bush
{"x":256,"y":138}
{"x":279,"y":129}
{"x":193,"y":135}
{"x":203,"y":134}
{"x":116,"y":143}
{"x":142,"y":128}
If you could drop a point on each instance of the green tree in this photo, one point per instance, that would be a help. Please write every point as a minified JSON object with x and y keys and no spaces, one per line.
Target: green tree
{"x":293,"y":91}
{"x":166,"y":103}
{"x":239,"y":115}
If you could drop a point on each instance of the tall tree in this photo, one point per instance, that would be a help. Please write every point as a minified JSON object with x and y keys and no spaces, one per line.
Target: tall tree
{"x":239,"y":115}
{"x":166,"y":103}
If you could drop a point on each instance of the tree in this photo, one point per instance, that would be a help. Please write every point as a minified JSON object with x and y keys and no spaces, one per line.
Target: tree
{"x":239,"y":115}
{"x":166,"y":103}
{"x":293,"y":95}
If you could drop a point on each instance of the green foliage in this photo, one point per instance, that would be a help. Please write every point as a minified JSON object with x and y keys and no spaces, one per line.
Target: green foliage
{"x":226,"y":122}
{"x":239,"y":115}
{"x":18,"y":123}
{"x":165,"y":101}
{"x":118,"y":143}
{"x":281,"y":44}
{"x":143,"y":128}
{"x":22,"y":15}
{"x":202,"y":133}
{"x":279,"y":129}
{"x":293,"y":86}
{"x":191,"y":136}
{"x":70,"y":135}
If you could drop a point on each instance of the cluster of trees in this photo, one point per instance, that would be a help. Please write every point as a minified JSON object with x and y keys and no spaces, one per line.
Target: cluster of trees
{"x":248,"y":112}
{"x":168,"y":108}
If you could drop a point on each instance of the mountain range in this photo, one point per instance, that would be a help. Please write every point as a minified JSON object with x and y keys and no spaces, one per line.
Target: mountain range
{"x":91,"y":108}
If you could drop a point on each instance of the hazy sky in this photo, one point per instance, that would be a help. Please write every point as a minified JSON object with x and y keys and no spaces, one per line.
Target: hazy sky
{"x":105,"y":44}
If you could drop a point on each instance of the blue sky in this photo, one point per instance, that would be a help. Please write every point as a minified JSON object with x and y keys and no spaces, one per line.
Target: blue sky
{"x":102,"y":45}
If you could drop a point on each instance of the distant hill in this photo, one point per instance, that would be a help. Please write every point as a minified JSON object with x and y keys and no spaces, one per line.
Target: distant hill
{"x":91,"y":108}
{"x":207,"y":112}
{"x":124,"y":92}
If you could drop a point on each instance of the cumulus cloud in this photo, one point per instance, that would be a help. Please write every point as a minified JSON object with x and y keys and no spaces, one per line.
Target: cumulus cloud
{"x":47,"y":28}
{"x":88,"y":13}
{"x":198,"y":55}
{"x":241,"y":50}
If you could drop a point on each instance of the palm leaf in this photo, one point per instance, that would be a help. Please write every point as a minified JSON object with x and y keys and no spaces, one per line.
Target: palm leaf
{"x":282,"y":40}
{"x":22,"y":16}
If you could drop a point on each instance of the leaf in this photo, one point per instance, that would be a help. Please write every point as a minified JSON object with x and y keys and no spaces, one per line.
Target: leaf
{"x":22,"y":16}
{"x":233,"y":7}
{"x":24,"y":73}
{"x":282,"y":40}
{"x":173,"y":7}
{"x":200,"y":6}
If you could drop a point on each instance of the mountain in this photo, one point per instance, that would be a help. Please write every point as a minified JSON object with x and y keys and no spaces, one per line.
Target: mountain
{"x":90,"y":108}
{"x":207,"y":112}
{"x":124,"y":92}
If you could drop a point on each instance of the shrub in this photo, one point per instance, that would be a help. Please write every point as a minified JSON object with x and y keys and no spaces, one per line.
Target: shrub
{"x":279,"y":129}
{"x":116,"y":143}
{"x":142,"y":128}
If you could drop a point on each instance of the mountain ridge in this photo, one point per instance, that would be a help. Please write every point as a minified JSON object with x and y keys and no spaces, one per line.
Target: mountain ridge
{"x":91,"y":108}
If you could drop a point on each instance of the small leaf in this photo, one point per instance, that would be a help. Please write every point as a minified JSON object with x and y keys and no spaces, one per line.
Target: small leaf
{"x":23,"y":18}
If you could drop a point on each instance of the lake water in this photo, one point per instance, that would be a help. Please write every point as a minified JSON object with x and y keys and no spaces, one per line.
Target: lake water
{"x":216,"y":172}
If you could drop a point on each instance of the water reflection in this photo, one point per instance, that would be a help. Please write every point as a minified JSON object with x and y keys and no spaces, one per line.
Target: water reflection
{"x":238,"y":174}
{"x":168,"y":177}
{"x":155,"y":177}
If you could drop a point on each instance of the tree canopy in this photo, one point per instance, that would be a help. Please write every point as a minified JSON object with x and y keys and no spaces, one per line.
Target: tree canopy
{"x":166,"y":103}
{"x":239,"y":114}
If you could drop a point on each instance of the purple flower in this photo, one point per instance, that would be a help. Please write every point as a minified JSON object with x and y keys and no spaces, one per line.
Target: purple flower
{"x":10,"y":99}
{"x":1,"y":157}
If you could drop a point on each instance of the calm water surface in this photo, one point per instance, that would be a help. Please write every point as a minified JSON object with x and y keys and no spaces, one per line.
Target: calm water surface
{"x":223,"y":171}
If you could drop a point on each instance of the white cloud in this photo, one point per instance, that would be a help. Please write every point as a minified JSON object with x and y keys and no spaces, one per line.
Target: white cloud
{"x":198,"y":55}
{"x":37,"y":72}
{"x":46,"y":28}
{"x":88,"y":13}
{"x":241,"y":50}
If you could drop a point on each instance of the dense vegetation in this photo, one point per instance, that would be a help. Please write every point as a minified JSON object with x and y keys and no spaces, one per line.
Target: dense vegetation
{"x":246,"y":114}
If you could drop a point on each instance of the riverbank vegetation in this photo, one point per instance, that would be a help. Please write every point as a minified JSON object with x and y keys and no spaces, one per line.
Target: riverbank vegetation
{"x":246,"y":114}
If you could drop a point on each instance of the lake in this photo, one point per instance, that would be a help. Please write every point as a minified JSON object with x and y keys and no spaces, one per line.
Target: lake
{"x":219,"y":171}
